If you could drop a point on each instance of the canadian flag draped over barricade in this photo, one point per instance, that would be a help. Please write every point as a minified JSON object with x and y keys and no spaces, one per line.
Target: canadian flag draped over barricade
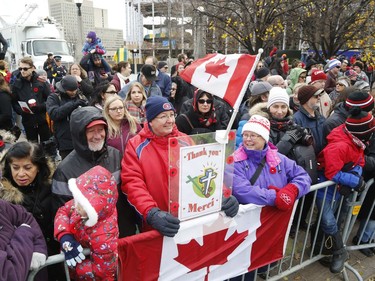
{"x":225,"y":76}
{"x":212,"y":247}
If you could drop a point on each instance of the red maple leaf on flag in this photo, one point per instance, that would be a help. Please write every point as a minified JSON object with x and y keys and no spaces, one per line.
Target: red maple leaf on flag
{"x":216,"y":68}
{"x":195,"y":256}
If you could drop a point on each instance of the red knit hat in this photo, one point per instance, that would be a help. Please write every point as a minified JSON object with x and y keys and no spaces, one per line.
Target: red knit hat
{"x":318,"y":75}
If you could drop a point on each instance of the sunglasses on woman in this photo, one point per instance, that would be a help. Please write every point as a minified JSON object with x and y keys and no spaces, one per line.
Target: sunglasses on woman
{"x":202,"y":101}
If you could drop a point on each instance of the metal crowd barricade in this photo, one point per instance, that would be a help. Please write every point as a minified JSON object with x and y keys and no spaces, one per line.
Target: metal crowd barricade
{"x":299,"y":253}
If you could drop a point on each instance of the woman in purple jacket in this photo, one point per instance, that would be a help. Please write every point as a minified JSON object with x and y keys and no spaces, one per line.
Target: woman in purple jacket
{"x":280,"y":182}
{"x":22,"y":245}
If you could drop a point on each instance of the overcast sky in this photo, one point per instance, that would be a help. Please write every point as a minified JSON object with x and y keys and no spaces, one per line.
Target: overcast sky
{"x":14,"y":8}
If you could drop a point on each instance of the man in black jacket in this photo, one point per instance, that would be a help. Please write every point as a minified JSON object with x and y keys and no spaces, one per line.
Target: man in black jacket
{"x":30,"y":95}
{"x":59,"y":107}
{"x":89,"y":131}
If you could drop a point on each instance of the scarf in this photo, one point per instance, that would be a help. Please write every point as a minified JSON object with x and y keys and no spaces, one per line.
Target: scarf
{"x":123,"y":80}
{"x":354,"y":139}
{"x":281,"y":124}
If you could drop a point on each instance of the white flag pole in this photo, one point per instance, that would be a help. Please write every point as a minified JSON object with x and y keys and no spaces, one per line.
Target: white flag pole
{"x":221,"y":136}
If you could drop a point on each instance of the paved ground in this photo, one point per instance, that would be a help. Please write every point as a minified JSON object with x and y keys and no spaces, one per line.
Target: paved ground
{"x":365,"y":266}
{"x":316,"y":272}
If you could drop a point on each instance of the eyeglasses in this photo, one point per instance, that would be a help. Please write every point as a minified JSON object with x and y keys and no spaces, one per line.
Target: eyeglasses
{"x":24,"y":68}
{"x":203,"y":101}
{"x":338,"y":66}
{"x":111,"y":92}
{"x":339,"y":84}
{"x":165,"y":117}
{"x":173,"y":89}
{"x":250,"y":136}
{"x":120,"y":108}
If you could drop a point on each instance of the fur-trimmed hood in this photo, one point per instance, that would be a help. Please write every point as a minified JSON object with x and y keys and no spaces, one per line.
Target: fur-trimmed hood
{"x":96,"y":192}
{"x":261,"y":109}
{"x":10,"y":193}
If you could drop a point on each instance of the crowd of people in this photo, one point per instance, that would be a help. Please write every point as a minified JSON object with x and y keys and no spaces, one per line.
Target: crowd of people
{"x":112,"y":133}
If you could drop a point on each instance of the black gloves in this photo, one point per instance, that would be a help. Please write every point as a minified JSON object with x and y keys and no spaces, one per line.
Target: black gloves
{"x":80,"y":102}
{"x":230,"y":206}
{"x":163,"y":222}
{"x":293,"y":135}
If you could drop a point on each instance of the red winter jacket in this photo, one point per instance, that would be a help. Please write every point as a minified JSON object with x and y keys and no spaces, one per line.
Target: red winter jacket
{"x":339,"y":151}
{"x":145,"y":171}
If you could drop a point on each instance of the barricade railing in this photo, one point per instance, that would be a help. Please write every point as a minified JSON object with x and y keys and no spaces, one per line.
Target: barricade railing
{"x":299,"y":252}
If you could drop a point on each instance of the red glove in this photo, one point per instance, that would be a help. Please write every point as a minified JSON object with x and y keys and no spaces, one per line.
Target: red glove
{"x":285,"y":197}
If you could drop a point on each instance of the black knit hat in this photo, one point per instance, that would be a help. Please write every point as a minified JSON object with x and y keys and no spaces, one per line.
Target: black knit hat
{"x":306,"y":92}
{"x":361,"y":125}
{"x":262,"y":72}
{"x":359,"y":99}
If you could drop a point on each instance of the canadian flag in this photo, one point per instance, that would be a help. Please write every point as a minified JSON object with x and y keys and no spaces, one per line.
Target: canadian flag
{"x":212,"y":247}
{"x":225,"y":76}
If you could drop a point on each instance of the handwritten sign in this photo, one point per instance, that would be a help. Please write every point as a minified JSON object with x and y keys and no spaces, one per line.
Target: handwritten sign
{"x":201,"y":180}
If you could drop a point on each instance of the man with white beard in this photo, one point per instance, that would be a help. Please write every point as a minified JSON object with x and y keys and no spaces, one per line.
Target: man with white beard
{"x":89,"y":133}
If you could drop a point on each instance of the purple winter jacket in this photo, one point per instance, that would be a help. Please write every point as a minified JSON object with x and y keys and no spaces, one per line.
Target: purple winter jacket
{"x":17,"y":243}
{"x":278,"y":171}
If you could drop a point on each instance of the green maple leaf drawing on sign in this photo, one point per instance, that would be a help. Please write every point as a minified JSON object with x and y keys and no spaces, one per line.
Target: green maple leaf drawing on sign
{"x":195,"y":257}
{"x":216,"y":68}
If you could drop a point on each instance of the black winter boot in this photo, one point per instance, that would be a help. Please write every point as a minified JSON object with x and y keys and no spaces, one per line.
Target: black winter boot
{"x":340,"y":254}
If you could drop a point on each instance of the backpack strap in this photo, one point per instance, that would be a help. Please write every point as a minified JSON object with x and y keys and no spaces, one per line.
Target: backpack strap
{"x":258,"y":170}
{"x":188,"y":120}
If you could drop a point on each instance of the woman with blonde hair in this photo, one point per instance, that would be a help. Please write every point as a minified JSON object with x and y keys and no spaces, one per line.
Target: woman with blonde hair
{"x":121,"y":125}
{"x":135,"y":101}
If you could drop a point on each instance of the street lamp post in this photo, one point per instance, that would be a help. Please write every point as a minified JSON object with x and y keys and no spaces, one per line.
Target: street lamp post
{"x":80,"y":35}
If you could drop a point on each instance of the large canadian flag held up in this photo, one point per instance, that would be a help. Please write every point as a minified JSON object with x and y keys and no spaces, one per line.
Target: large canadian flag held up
{"x":212,"y":247}
{"x":225,"y":76}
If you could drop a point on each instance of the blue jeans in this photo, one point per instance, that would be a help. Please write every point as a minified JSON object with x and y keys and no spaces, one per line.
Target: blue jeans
{"x":328,"y":222}
{"x":368,"y":232}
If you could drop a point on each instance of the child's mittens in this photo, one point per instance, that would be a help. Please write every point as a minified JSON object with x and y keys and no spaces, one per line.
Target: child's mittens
{"x":72,"y":250}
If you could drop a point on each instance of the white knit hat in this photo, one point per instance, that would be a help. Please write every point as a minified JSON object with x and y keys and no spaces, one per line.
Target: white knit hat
{"x":277,"y":94}
{"x":259,"y":125}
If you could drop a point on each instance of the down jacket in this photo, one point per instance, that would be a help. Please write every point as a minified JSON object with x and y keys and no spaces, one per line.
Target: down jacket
{"x":96,"y":192}
{"x":339,"y":151}
{"x":278,"y":171}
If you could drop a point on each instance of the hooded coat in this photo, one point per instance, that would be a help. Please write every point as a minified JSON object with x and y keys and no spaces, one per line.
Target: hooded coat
{"x":293,"y":76}
{"x":217,"y":113}
{"x":339,"y":151}
{"x":17,"y":242}
{"x":96,"y":192}
{"x":81,"y":159}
